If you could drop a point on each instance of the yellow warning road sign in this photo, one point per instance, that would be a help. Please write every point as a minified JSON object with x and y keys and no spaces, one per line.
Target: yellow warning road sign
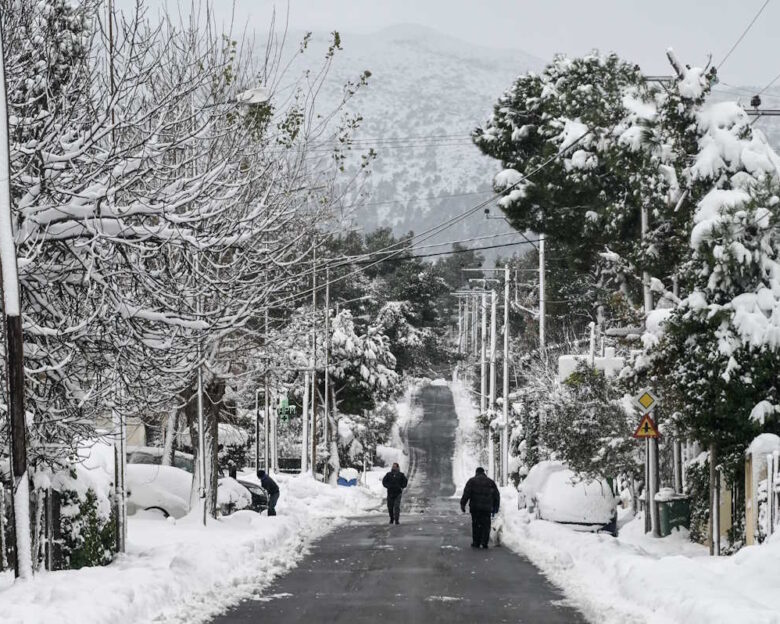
{"x":646,"y":401}
{"x":646,"y":428}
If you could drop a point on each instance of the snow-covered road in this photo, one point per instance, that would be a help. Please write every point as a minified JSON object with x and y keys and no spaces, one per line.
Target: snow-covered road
{"x":420,"y":571}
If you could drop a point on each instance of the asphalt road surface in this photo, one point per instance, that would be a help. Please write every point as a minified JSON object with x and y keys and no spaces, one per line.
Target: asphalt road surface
{"x":422,"y":570}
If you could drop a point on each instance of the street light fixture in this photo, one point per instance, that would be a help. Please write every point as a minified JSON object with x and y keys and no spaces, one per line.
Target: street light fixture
{"x":255,"y":95}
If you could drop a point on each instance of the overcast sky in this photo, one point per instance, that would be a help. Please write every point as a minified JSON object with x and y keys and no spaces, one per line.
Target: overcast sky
{"x":639,"y":30}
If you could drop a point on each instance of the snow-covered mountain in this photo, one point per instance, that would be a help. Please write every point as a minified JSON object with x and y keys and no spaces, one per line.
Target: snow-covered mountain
{"x":427,"y":92}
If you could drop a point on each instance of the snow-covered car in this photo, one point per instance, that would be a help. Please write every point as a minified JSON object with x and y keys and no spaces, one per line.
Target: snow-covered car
{"x":553,"y":492}
{"x":166,"y":489}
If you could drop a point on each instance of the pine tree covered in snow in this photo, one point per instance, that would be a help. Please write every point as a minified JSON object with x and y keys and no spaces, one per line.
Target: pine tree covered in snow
{"x":587,"y":426}
{"x":707,"y":181}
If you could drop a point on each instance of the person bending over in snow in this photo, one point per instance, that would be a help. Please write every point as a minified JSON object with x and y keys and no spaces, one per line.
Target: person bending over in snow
{"x":395,"y":481}
{"x":481,"y":493}
{"x":269,"y":485}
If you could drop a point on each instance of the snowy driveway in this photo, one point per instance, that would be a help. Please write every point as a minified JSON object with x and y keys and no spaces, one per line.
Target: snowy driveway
{"x":420,"y":571}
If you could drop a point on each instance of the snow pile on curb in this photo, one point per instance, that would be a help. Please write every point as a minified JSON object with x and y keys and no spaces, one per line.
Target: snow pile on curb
{"x":182,"y":572}
{"x":639,"y":579}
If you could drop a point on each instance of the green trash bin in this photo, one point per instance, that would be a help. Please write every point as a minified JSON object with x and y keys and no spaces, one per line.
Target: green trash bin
{"x":674,"y":512}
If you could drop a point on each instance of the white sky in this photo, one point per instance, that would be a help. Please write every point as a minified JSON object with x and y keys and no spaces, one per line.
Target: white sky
{"x":639,"y":30}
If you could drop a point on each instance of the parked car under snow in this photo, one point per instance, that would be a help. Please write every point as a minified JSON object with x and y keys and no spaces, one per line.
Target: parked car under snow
{"x":166,"y":489}
{"x":553,"y":492}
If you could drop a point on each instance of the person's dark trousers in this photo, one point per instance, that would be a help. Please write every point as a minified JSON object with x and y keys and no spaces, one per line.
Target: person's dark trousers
{"x":272,"y":504}
{"x":480,"y":528}
{"x":394,"y":506}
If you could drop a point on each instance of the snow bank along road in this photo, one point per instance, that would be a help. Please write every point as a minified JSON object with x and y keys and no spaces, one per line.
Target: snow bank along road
{"x":423,"y":570}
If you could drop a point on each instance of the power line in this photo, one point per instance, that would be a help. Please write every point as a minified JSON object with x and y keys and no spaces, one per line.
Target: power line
{"x":393,"y":146}
{"x":467,"y":240}
{"x":404,"y":139}
{"x":744,"y":32}
{"x":414,"y":199}
{"x":773,"y":81}
{"x":450,"y":252}
{"x":435,"y":230}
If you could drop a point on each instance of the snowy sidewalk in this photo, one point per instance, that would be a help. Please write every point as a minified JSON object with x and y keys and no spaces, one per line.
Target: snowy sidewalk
{"x":182,"y":572}
{"x":641,"y":579}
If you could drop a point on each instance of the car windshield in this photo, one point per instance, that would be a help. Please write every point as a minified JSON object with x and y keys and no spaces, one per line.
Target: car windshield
{"x":180,"y":460}
{"x":140,"y":457}
{"x":185,"y":463}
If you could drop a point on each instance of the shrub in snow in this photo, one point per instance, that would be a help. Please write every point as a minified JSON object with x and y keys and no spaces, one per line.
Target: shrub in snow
{"x":697,"y":477}
{"x":588,"y":427}
{"x":697,"y":488}
{"x":87,"y":530}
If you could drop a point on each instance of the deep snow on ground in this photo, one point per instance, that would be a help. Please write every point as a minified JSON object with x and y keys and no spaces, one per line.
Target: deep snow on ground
{"x":651,"y":580}
{"x":181,"y":572}
{"x":635,"y":577}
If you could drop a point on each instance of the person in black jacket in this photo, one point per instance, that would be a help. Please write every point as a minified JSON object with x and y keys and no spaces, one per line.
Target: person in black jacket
{"x":269,"y":485}
{"x":481,"y":493}
{"x":395,"y":481}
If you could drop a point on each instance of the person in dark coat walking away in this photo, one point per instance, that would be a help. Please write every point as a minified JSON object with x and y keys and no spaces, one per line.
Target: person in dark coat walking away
{"x":395,"y":481}
{"x":269,"y":485}
{"x":481,"y":493}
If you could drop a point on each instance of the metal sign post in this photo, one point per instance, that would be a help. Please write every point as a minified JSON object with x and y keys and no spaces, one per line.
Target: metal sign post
{"x":646,"y":401}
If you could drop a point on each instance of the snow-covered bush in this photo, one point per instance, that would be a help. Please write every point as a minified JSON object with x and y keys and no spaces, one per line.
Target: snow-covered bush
{"x":87,"y":528}
{"x":589,"y":428}
{"x":697,"y":488}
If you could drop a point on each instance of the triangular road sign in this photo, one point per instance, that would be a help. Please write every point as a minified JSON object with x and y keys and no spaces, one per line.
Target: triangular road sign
{"x":646,"y":428}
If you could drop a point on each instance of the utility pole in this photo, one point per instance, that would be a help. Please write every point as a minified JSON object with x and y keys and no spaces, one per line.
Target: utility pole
{"x":542,"y":297}
{"x":274,"y":416}
{"x":460,"y":325}
{"x":466,"y":325}
{"x":326,"y":424}
{"x":651,"y":444}
{"x":305,"y":425}
{"x":202,"y":474}
{"x":314,"y":365}
{"x":266,"y":424}
{"x":266,"y":404}
{"x":678,"y":452}
{"x":257,"y":429}
{"x":475,"y":325}
{"x":120,"y":463}
{"x":492,"y":404}
{"x":505,"y":428}
{"x":483,"y":359}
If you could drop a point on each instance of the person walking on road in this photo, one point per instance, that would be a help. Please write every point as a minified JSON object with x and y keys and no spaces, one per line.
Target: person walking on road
{"x":481,"y":493}
{"x":395,"y":481}
{"x":269,"y":485}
